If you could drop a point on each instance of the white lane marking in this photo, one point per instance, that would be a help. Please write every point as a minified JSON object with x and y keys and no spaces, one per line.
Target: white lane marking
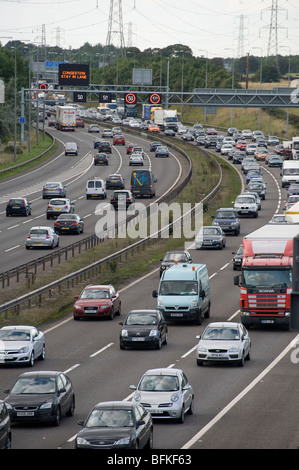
{"x":72,"y":368}
{"x":101,"y":350}
{"x":247,"y":389}
{"x":13,"y":248}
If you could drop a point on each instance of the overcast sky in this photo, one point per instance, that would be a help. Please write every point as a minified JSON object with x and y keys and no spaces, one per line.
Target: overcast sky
{"x":209,"y":28}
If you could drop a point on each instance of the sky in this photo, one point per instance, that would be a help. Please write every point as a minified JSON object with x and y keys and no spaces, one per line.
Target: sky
{"x":209,"y":28}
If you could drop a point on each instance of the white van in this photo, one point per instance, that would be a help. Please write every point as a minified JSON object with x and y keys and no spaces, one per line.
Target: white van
{"x":96,"y":187}
{"x":290,"y":172}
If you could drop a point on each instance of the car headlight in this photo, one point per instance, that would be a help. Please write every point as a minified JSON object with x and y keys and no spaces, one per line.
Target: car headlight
{"x":24,"y":350}
{"x":202,"y":349}
{"x":175,"y":397}
{"x":160,"y":303}
{"x":137,"y":396}
{"x":234,"y":349}
{"x":215,"y":223}
{"x":194,"y":303}
{"x":154,"y":333}
{"x":82,"y":442}
{"x":8,"y":406}
{"x":124,"y":333}
{"x":102,"y":307}
{"x":123,"y":441}
{"x":46,"y":406}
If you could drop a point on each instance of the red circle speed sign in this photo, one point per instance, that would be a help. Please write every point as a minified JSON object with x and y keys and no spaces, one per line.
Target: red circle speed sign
{"x":130,"y":98}
{"x":155,"y":98}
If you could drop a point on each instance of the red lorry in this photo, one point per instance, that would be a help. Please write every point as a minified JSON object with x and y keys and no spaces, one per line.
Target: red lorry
{"x":266,"y":279}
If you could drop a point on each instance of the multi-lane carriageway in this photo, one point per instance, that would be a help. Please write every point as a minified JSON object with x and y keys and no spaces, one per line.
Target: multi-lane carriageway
{"x":253,"y":407}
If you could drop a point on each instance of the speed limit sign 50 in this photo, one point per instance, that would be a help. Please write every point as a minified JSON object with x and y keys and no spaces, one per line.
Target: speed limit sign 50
{"x":130,"y":98}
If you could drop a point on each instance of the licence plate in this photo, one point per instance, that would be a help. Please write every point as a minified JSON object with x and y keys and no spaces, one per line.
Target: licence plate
{"x":16,"y":207}
{"x":176,"y":315}
{"x":56,"y":208}
{"x":65,"y":228}
{"x":91,"y":311}
{"x":25,"y":413}
{"x":216,"y":355}
{"x":38,"y":243}
{"x":244,"y":211}
{"x":267,"y":321}
{"x":137,"y":339}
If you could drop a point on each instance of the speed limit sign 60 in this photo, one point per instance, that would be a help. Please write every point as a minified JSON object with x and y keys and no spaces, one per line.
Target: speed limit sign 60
{"x":130,"y":98}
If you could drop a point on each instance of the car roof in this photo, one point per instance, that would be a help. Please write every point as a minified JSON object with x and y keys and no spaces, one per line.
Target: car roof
{"x":163,"y":371}
{"x":144,"y":310}
{"x":41,"y":373}
{"x":115,"y":404}
{"x":17,"y":327}
{"x":98,"y":286}
{"x":41,"y":226}
{"x":221,"y":324}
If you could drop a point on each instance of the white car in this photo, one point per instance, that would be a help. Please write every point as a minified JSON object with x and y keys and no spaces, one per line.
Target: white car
{"x":59,"y":206}
{"x":136,"y":159}
{"x":226,"y":148}
{"x":165,"y":393}
{"x":42,"y":236}
{"x":223,"y":342}
{"x":21,"y":345}
{"x":246,"y":205}
{"x":96,"y":187}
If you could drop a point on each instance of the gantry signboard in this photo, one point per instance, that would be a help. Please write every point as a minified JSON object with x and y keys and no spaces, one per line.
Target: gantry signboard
{"x":73,"y":75}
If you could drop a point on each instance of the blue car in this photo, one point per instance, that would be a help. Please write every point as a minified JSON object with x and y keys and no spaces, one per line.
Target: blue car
{"x":252,"y":174}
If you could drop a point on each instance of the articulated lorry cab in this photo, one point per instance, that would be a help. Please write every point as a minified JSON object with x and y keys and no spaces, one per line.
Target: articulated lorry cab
{"x":266,"y":279}
{"x":184,"y":293}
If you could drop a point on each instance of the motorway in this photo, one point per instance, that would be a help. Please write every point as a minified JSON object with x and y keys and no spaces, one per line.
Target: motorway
{"x":253,"y":407}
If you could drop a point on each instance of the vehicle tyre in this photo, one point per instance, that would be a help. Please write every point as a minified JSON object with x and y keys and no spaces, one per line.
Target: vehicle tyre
{"x":43,"y":353}
{"x":207,"y":313}
{"x":48,"y":217}
{"x":71,"y":411}
{"x":191,"y":408}
{"x":111,"y":316}
{"x":181,"y":419}
{"x":57,"y":418}
{"x":119,"y":310}
{"x":159,"y":343}
{"x":31,"y":360}
{"x":150,"y":442}
{"x":198,"y":320}
{"x":199,"y":362}
{"x":241,"y":361}
{"x":165,"y":339}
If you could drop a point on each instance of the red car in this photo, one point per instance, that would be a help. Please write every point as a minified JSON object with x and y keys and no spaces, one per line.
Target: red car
{"x":211,"y":131}
{"x":241,"y":144}
{"x":79,"y":123}
{"x":119,"y":140}
{"x":130,"y":148}
{"x":97,"y":301}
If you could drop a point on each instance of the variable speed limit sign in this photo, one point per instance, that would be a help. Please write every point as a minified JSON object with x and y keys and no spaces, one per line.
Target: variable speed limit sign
{"x":130,"y":98}
{"x":155,"y":98}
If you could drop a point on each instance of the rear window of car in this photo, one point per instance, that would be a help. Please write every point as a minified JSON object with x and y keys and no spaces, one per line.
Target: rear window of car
{"x":39,"y":231}
{"x":16,"y":201}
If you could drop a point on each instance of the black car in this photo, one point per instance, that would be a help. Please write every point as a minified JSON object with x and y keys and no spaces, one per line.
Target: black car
{"x":116,"y":425}
{"x":173,"y":257}
{"x":69,"y":223}
{"x":115,"y":181}
{"x":238,"y":258}
{"x":143,"y":328}
{"x":122,"y":199}
{"x":227,"y":218}
{"x":100,"y":159}
{"x":40,"y":396}
{"x":5,"y":431}
{"x":210,"y":141}
{"x":170,"y":132}
{"x":238,"y":156}
{"x":103,"y":146}
{"x":18,"y":206}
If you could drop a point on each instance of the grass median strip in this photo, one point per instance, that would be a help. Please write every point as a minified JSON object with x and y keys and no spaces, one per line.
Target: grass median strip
{"x":205,"y":176}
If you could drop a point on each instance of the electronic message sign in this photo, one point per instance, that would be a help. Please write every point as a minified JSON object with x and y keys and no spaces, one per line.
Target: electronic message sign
{"x":73,"y":75}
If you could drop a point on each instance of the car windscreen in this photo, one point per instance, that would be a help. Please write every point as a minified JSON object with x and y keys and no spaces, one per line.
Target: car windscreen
{"x":95,"y":294}
{"x":110,"y":418}
{"x":13,"y":335}
{"x":29,"y":385}
{"x":178,"y":288}
{"x":225,"y":334}
{"x":159,"y":383}
{"x":141,"y":319}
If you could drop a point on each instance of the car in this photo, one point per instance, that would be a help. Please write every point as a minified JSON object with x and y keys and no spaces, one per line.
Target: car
{"x":94,"y":128}
{"x":96,"y":187}
{"x":257,"y":135}
{"x":21,"y":344}
{"x":273,"y":140}
{"x":143,"y":328}
{"x":223,"y":342}
{"x":241,"y":145}
{"x":231,"y":131}
{"x":18,"y":206}
{"x":80,"y":123}
{"x":154,"y":145}
{"x":249,"y":165}
{"x":211,"y":131}
{"x":247,"y":134}
{"x":210,"y":237}
{"x":261,"y":143}
{"x":259,"y":179}
{"x":237,"y":136}
{"x":136,"y":159}
{"x":275,"y":161}
{"x":115,"y":181}
{"x":153,"y":128}
{"x":257,"y":198}
{"x":119,"y":140}
{"x":166,"y":393}
{"x":252,"y":174}
{"x":170,"y":132}
{"x":96,"y":143}
{"x":5,"y":428}
{"x":54,"y":188}
{"x":69,"y":223}
{"x":174,"y":257}
{"x":104,"y":146}
{"x":130,"y":148}
{"x":187,"y":136}
{"x":279,"y":149}
{"x":51,"y":122}
{"x":238,"y":258}
{"x":41,"y":396}
{"x":250,"y":149}
{"x":261,"y":153}
{"x":97,"y":301}
{"x":246,"y":205}
{"x":292,"y":199}
{"x":59,"y":206}
{"x":101,"y":159}
{"x":138,"y":150}
{"x":116,"y":425}
{"x":122,"y":199}
{"x":227,"y":218}
{"x":40,"y":236}
{"x":107,"y":133}
{"x":116,"y":131}
{"x":162,"y":151}
{"x":238,"y":156}
{"x":293,"y":189}
{"x":278,"y":219}
{"x":226,"y":148}
{"x":210,"y":141}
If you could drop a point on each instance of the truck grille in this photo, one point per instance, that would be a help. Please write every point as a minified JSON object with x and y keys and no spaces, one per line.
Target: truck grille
{"x":277,"y":302}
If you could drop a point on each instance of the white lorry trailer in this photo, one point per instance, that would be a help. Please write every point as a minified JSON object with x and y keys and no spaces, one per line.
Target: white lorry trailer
{"x":65,"y":118}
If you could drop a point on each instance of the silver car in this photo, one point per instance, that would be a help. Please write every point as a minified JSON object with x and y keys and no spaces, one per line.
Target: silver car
{"x":42,"y":236}
{"x":223,"y":342}
{"x":210,"y":237}
{"x":59,"y":206}
{"x":53,"y":189}
{"x":21,"y":344}
{"x":165,"y":393}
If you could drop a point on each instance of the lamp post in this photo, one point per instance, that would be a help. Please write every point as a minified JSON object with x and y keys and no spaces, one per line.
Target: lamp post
{"x":289,"y":77}
{"x":261,"y":74}
{"x":206,"y":81}
{"x":233,"y":81}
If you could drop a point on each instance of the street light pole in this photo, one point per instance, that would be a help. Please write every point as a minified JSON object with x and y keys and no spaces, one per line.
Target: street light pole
{"x":261,"y":74}
{"x":289,"y":77}
{"x":233,"y":81}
